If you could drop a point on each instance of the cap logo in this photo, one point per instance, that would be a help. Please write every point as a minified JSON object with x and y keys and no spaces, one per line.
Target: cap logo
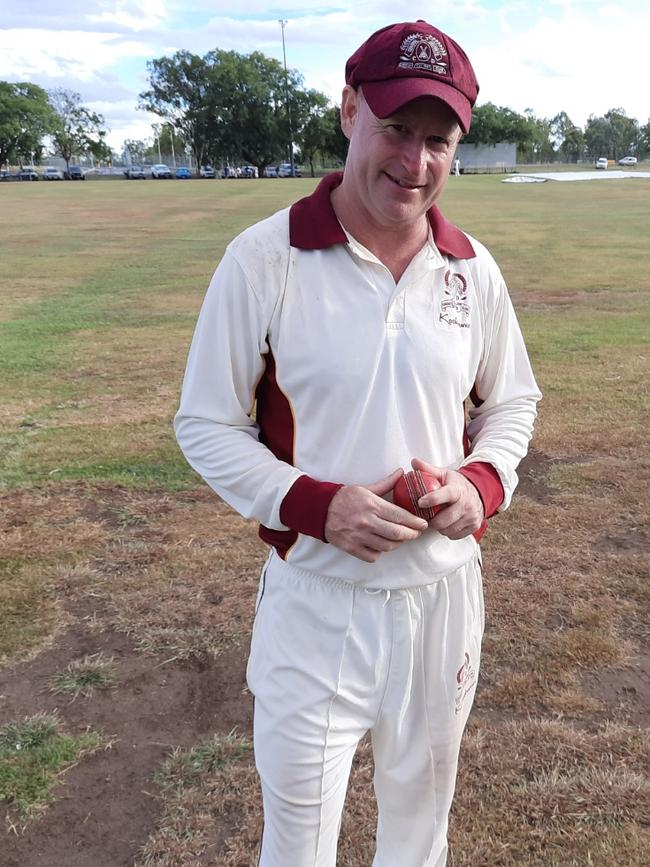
{"x":425,"y":52}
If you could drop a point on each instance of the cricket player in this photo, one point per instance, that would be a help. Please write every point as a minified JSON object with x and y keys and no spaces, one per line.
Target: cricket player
{"x":339,"y":344}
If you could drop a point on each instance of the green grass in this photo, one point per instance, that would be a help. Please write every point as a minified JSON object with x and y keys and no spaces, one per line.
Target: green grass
{"x":33,"y":755}
{"x":83,"y":676}
{"x":102,"y":285}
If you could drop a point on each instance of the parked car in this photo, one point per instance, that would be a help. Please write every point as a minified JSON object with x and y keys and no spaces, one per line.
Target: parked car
{"x":28,"y":173}
{"x":74,"y":173}
{"x":249,"y":171}
{"x":270,"y":172}
{"x":160,"y":170}
{"x":601,"y":163}
{"x":207,"y":172}
{"x":284,"y":171}
{"x":230,"y":172}
{"x":50,"y":173}
{"x":627,"y":161}
{"x":5,"y":175}
{"x":183,"y":173}
{"x":135,"y":173}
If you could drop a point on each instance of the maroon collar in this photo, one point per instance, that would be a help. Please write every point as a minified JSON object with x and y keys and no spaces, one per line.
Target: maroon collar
{"x":313,"y":224}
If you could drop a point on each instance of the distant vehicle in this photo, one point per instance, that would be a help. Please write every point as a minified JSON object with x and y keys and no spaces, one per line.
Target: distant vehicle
{"x":74,"y":173}
{"x":50,"y":173}
{"x":207,"y":172}
{"x":249,"y":171}
{"x":5,"y":175}
{"x":160,"y":170}
{"x":230,"y":172}
{"x":627,"y":161}
{"x":183,"y":173}
{"x":601,"y":163}
{"x":284,"y":171}
{"x":28,"y":173}
{"x":270,"y":172}
{"x":135,"y":173}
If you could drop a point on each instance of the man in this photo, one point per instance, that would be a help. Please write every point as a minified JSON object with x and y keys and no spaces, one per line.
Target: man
{"x":358,"y":322}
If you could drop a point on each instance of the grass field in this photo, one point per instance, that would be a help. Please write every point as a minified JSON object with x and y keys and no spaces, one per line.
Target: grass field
{"x":111,"y":548}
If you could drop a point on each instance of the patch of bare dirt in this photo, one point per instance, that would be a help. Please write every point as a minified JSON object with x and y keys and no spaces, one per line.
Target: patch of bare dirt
{"x":624,"y":691}
{"x":105,"y":807}
{"x":533,"y":472}
{"x":634,"y":540}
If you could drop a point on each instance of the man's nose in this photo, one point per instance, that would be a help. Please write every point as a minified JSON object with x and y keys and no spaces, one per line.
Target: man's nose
{"x":414,"y":157}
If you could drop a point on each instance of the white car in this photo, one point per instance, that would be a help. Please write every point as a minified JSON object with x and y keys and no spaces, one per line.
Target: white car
{"x":627,"y":161}
{"x":601,"y":163}
{"x":160,"y":170}
{"x":50,"y":173}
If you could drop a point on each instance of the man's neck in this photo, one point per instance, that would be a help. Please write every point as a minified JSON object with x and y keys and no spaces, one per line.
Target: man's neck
{"x":394,"y":246}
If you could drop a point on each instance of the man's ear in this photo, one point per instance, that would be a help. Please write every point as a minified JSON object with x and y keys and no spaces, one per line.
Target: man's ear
{"x":349,"y":110}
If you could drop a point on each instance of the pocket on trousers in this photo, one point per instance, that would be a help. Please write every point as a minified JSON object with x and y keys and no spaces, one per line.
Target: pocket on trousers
{"x":256,"y":630}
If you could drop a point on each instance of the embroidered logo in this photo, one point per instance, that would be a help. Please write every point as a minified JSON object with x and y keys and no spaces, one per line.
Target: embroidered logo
{"x":454,"y":309}
{"x":425,"y":52}
{"x":465,"y":681}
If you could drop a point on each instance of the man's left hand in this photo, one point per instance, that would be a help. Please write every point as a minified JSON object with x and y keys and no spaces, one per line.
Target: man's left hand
{"x":462,"y":511}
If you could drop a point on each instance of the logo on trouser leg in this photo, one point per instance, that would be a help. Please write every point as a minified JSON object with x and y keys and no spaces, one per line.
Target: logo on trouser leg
{"x":465,"y":680}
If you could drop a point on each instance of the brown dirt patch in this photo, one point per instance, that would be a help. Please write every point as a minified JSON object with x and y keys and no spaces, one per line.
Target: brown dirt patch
{"x":105,"y":806}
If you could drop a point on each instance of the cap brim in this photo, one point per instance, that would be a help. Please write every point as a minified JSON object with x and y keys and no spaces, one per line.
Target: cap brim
{"x":387,"y":97}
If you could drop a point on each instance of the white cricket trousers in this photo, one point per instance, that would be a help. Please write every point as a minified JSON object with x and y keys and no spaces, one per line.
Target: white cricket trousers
{"x":331,"y":661}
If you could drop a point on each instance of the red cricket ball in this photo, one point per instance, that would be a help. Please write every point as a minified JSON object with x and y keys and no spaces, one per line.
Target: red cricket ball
{"x":411,"y":487}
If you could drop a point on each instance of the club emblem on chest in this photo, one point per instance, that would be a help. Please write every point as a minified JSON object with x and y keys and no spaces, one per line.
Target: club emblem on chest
{"x":454,"y":307}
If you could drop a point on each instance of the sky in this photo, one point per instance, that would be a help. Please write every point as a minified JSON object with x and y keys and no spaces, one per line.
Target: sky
{"x":577,"y":56}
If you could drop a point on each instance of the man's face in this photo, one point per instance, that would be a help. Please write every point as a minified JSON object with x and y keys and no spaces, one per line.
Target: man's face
{"x":398,"y":166}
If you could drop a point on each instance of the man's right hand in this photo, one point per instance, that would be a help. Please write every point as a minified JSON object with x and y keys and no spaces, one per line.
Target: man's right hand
{"x":362,"y":523}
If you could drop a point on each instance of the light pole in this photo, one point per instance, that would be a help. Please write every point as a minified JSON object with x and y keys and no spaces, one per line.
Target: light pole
{"x":283,"y":23}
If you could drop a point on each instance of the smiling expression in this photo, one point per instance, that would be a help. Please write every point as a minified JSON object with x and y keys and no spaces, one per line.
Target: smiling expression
{"x":397,"y":166}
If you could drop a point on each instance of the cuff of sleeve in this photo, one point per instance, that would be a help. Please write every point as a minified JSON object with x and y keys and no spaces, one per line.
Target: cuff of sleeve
{"x":304,"y":507}
{"x":488,"y":484}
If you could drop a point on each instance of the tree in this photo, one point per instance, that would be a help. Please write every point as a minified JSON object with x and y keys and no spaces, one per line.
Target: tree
{"x":179,"y":92}
{"x":644,"y":139}
{"x":137,"y":149}
{"x":336,"y":144}
{"x":615,"y":135}
{"x":77,"y":130}
{"x":25,"y":117}
{"x":492,"y":124}
{"x":315,"y":129}
{"x":229,"y":106}
{"x":569,"y":139}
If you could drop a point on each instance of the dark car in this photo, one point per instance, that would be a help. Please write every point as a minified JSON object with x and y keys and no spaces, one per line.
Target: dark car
{"x":28,"y":173}
{"x":135,"y":173}
{"x":74,"y":173}
{"x":5,"y":175}
{"x":183,"y":173}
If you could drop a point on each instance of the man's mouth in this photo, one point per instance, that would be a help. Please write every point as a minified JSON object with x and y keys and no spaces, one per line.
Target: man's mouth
{"x":405,"y":185}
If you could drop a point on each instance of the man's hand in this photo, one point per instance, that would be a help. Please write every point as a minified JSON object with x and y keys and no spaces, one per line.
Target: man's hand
{"x":462,"y":511}
{"x":360,"y":522}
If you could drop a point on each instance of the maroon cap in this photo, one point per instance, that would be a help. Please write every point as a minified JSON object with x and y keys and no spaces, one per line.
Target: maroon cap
{"x":405,"y":61}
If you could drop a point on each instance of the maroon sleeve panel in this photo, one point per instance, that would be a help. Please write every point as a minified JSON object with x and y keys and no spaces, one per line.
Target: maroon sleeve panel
{"x":305,"y":506}
{"x":488,"y":484}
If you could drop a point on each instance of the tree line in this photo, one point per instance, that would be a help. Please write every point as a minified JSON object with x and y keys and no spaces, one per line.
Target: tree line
{"x":228,"y":108}
{"x":30,"y":117}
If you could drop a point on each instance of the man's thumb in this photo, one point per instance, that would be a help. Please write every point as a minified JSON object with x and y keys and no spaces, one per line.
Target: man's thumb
{"x":383,"y":486}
